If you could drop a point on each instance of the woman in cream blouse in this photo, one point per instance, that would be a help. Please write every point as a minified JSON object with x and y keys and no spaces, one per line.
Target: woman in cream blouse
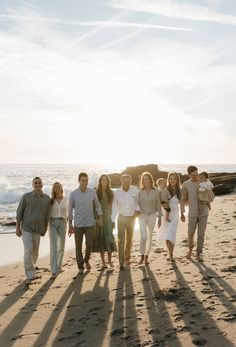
{"x":57,"y":228}
{"x":150,"y":209}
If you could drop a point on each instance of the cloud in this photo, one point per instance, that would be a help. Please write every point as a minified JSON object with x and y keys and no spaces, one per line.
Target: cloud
{"x":174,"y":9}
{"x":107,"y":24}
{"x":63,"y":102}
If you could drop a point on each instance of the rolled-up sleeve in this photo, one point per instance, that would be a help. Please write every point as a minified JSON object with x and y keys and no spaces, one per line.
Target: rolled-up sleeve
{"x":114,"y":208}
{"x":183,"y":199}
{"x":71,"y":206}
{"x":20,"y":209}
{"x":97,"y":204}
{"x":158,"y":206}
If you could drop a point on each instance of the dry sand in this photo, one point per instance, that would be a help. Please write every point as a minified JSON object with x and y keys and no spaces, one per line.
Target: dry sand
{"x":163,"y":304}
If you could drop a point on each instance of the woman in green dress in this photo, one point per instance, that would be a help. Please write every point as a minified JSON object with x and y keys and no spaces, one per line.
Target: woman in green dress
{"x":103,"y":238}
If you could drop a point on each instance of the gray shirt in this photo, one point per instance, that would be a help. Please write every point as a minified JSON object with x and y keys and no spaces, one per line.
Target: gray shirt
{"x":190,"y":197}
{"x":81,"y":207}
{"x":149,"y":202}
{"x":34,"y":212}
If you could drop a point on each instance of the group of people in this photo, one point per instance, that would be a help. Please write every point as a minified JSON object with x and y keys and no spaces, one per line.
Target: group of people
{"x":93,"y":213}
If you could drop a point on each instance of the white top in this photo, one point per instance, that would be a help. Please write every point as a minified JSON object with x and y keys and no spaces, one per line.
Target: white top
{"x":125,"y":203}
{"x":60,"y":209}
{"x":203,"y":186}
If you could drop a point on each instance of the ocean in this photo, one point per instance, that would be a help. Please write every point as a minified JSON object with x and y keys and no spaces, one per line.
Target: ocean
{"x":15,"y":180}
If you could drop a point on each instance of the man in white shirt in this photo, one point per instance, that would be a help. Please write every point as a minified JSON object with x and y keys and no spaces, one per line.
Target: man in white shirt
{"x":125,"y":204}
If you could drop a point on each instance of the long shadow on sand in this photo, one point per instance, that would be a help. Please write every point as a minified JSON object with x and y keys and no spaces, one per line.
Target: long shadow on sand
{"x":161,"y":328}
{"x":13,"y":297}
{"x":217,"y":286}
{"x":198,"y":321}
{"x":87,"y":315}
{"x":124,"y":330}
{"x":49,"y":325}
{"x":12,"y":332}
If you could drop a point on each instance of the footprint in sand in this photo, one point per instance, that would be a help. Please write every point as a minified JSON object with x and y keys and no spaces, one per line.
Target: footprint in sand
{"x":200,"y":341}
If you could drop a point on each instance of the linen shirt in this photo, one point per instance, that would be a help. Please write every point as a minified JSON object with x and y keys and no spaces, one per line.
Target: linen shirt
{"x":81,"y":207}
{"x":34,"y":212}
{"x":149,"y":202}
{"x":125,"y":203}
{"x":189,"y":195}
{"x":60,"y":209}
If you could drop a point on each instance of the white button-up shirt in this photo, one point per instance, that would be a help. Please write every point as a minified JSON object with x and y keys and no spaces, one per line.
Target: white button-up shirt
{"x":60,"y":209}
{"x":125,"y":203}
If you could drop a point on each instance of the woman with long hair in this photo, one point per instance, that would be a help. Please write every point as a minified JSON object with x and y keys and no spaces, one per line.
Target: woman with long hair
{"x":150,"y":209}
{"x":168,"y":230}
{"x":103,"y":238}
{"x":57,"y":228}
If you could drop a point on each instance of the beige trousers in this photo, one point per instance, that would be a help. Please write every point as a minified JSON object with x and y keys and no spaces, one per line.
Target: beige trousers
{"x":200,"y":224}
{"x":125,"y":227}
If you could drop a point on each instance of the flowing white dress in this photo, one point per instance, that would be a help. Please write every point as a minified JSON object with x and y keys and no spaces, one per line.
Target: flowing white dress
{"x":168,"y":230}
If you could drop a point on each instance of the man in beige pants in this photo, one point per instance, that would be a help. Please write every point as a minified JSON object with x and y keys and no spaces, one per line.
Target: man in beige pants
{"x":198,"y":213}
{"x":125,"y":204}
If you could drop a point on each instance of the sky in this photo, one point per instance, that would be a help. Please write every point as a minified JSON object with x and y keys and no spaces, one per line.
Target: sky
{"x":117,"y":82}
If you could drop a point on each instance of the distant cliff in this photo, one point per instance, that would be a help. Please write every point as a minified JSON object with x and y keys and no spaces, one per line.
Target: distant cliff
{"x":224,"y":182}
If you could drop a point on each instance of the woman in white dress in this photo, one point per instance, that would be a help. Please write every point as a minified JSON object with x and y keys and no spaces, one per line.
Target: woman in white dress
{"x":168,"y":229}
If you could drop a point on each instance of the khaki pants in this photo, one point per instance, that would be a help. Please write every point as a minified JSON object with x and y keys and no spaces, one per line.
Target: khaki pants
{"x":79,"y":234}
{"x":200,"y":224}
{"x":125,"y":227}
{"x":31,"y":243}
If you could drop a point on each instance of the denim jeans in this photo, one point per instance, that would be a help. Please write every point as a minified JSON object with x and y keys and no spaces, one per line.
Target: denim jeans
{"x":57,"y":235}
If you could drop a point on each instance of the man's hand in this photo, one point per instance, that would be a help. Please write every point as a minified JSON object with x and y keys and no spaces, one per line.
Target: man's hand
{"x":159,"y":222}
{"x":182,"y":217}
{"x":18,"y":232}
{"x":70,"y":230}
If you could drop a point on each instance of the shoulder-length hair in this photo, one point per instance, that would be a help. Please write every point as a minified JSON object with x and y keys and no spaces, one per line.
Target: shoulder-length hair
{"x":178,"y":185}
{"x":53,"y":198}
{"x":109,"y":193}
{"x":149,"y":175}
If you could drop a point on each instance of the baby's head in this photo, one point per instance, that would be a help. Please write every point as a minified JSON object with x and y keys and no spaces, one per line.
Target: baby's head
{"x":161,"y":183}
{"x":203,"y":176}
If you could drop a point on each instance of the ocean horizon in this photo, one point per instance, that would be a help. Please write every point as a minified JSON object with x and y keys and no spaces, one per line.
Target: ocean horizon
{"x":15,"y":179}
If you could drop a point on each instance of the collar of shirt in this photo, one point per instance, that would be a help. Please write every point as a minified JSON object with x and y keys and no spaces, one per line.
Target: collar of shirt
{"x":36,"y":193}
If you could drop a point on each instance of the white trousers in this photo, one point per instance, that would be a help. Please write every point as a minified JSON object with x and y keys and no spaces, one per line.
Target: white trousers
{"x":31,"y":243}
{"x":146,"y":226}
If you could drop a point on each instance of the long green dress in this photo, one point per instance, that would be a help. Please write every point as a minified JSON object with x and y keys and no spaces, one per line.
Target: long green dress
{"x":104,"y":240}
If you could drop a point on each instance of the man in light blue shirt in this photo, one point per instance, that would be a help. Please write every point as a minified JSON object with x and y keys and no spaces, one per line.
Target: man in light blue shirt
{"x":82,"y":205}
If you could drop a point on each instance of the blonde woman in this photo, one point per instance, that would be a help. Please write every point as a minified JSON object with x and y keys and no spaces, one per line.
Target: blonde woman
{"x":150,"y":209}
{"x":57,"y":228}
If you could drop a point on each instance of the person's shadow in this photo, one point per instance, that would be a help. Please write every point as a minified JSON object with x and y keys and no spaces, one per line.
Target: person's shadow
{"x":124,"y":329}
{"x":13,"y":330}
{"x":87,"y":315}
{"x":198,"y":321}
{"x":161,"y":327}
{"x":214,"y":282}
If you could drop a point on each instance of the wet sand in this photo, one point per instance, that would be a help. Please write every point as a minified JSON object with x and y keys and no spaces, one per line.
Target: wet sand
{"x":185,"y":303}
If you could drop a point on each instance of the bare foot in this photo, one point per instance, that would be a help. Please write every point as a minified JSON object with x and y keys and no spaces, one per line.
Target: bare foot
{"x":88,"y":266}
{"x":141,"y":260}
{"x":146,"y":260}
{"x":189,"y":254}
{"x":199,"y":258}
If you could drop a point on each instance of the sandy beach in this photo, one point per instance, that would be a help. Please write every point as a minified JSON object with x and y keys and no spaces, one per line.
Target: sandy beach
{"x":181,"y":304}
